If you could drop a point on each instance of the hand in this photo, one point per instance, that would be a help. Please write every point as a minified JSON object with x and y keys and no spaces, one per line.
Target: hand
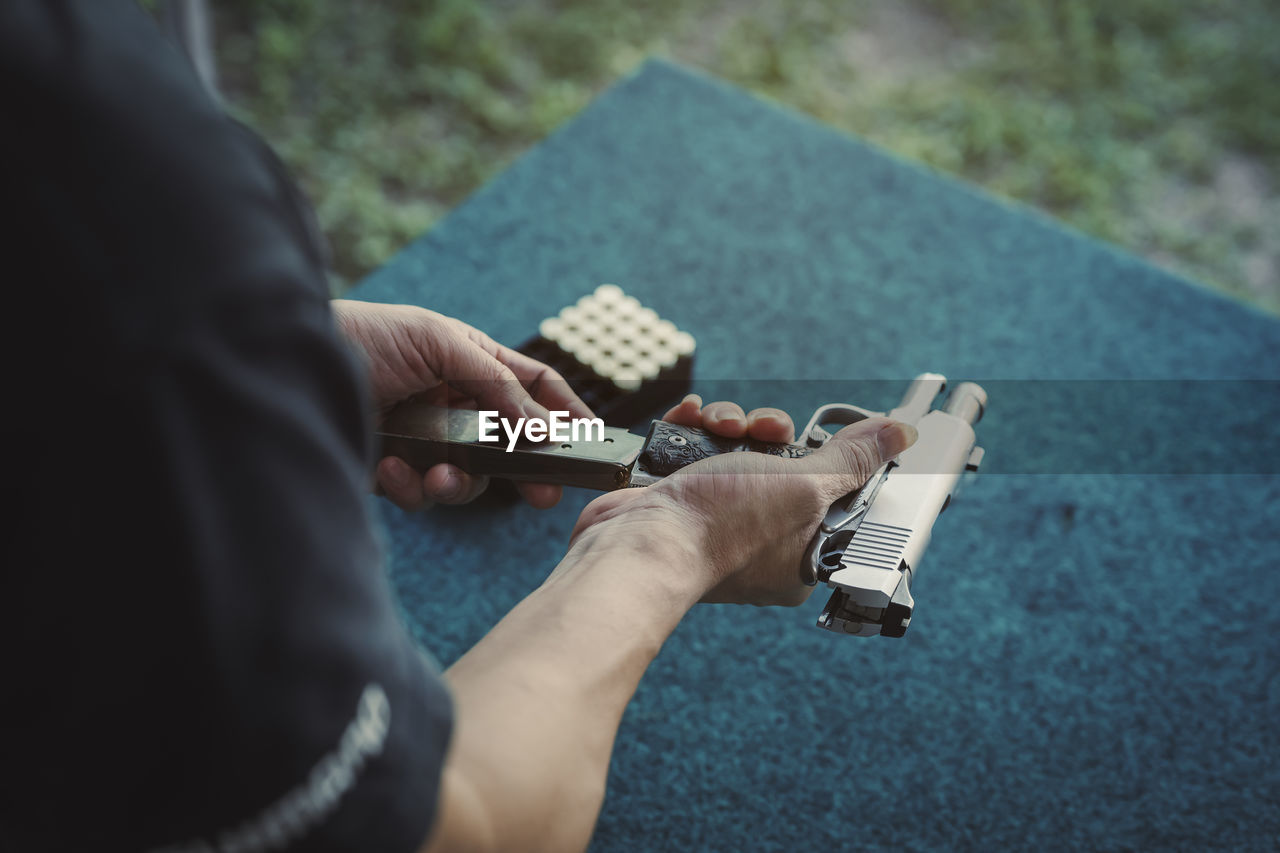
{"x":745,"y":519}
{"x":411,"y":351}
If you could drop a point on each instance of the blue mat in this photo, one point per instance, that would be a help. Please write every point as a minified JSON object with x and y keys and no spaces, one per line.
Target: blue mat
{"x":1094,"y":659}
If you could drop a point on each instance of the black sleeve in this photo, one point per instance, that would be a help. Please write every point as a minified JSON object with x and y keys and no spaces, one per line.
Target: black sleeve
{"x":200,"y":645}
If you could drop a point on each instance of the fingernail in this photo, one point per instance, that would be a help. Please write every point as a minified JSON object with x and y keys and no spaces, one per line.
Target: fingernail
{"x":894,"y":438}
{"x":398,"y":473}
{"x":450,"y":488}
{"x":723,"y":416}
{"x":692,"y":398}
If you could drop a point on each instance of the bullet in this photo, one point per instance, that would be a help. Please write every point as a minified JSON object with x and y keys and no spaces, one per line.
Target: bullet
{"x":627,"y":380}
{"x":551,"y":328}
{"x":607,"y":294}
{"x":684,"y":343}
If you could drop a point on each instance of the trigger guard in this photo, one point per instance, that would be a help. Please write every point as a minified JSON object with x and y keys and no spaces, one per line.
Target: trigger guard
{"x":815,"y":436}
{"x":833,"y":413}
{"x":809,"y":565}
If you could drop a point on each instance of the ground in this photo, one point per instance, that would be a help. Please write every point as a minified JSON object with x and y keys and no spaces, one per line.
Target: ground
{"x":1151,"y":124}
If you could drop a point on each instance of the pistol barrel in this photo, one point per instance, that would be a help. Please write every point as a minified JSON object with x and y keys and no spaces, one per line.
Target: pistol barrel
{"x":966,"y":401}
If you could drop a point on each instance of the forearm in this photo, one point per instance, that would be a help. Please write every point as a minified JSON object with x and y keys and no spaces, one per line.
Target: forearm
{"x":539,"y":699}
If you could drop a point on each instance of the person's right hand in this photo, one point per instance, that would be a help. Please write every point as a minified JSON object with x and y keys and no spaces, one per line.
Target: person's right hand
{"x":744,"y":520}
{"x":540,"y":696}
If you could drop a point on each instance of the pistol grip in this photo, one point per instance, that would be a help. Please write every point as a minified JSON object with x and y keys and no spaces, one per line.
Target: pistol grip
{"x":670,"y":447}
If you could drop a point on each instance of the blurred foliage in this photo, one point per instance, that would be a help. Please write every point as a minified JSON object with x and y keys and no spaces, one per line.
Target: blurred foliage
{"x":1151,"y":123}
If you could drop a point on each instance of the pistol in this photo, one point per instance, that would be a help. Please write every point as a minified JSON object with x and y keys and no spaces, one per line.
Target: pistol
{"x":866,"y":548}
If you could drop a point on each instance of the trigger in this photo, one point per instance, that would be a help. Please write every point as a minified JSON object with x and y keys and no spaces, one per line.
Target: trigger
{"x":816,"y":436}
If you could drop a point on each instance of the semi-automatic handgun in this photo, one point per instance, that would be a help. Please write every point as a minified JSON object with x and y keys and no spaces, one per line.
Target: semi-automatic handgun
{"x":866,"y":549}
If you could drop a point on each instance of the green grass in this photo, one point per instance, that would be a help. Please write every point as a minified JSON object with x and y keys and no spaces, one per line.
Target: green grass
{"x":1154,"y":124}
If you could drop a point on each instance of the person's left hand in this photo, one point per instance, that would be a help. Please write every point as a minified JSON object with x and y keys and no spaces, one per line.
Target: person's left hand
{"x":411,"y":351}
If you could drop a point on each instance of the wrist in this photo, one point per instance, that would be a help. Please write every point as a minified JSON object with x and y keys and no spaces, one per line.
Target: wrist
{"x":351,"y":326}
{"x":343,"y":311}
{"x":647,"y":552}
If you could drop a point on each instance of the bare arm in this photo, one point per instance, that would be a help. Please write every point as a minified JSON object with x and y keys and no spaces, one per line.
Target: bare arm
{"x":538,"y":701}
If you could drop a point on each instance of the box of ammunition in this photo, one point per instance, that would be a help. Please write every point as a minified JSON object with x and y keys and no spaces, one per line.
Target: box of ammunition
{"x":622,"y":359}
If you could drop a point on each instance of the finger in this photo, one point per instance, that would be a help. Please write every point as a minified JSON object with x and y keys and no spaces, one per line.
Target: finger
{"x":540,"y":382}
{"x":448,"y":484}
{"x":768,"y":424}
{"x":401,"y":484}
{"x":725,"y":418}
{"x":688,"y":412}
{"x":540,"y":495}
{"x":478,"y":374}
{"x":604,"y":507}
{"x":852,"y":455}
{"x":543,"y":383}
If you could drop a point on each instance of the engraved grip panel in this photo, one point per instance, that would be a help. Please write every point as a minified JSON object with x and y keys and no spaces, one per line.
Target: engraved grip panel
{"x":670,"y":447}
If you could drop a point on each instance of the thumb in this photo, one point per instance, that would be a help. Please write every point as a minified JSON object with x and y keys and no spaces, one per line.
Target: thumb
{"x":471,"y":370}
{"x":852,"y":455}
{"x":601,"y":509}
